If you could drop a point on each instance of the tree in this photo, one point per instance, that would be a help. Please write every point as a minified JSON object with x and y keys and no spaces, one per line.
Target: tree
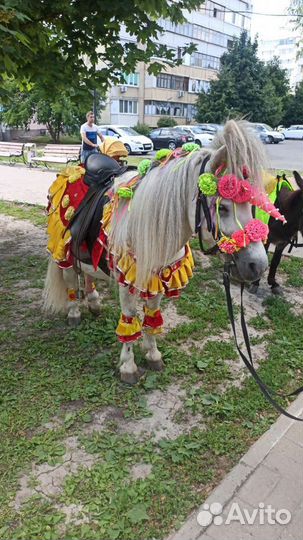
{"x":294,"y":112}
{"x":60,"y":43}
{"x":166,"y":121}
{"x":59,"y":113}
{"x":245,"y":87}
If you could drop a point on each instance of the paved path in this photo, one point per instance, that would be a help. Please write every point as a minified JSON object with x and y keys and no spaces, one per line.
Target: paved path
{"x":25,"y":185}
{"x":270,"y":474}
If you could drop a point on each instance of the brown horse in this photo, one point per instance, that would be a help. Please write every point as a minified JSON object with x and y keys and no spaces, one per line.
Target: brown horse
{"x":281,"y":235}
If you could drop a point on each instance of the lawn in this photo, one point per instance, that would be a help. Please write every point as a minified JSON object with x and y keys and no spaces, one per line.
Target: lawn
{"x":75,"y":464}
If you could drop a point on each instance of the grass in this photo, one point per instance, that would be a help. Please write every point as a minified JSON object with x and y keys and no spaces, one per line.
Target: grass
{"x":48,"y":371}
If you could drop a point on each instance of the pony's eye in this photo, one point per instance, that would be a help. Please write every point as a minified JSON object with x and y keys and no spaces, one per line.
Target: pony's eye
{"x":223,"y":209}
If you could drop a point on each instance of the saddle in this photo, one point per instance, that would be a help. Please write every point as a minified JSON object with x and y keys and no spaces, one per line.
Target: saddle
{"x":100,"y":168}
{"x":85,"y":225}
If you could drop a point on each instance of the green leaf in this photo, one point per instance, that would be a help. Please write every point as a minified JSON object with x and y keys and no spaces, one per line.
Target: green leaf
{"x":137,"y":514}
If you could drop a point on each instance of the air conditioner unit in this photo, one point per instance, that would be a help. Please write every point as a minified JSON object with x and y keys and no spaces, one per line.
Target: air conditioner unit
{"x":180,"y":93}
{"x":123,"y":89}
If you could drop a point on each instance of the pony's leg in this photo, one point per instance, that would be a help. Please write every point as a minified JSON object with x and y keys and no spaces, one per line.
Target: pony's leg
{"x":93,"y":299}
{"x":129,"y":372}
{"x":153,"y":355}
{"x":271,"y":280}
{"x":73,"y":311}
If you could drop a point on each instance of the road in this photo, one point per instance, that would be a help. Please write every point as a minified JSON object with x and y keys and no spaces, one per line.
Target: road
{"x":286,"y":155}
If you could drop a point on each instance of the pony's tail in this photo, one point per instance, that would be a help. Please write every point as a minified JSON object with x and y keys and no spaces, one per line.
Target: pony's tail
{"x":54,"y":292}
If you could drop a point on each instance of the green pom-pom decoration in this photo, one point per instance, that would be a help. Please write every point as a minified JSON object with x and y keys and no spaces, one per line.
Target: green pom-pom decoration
{"x":125,"y":192}
{"x":163,"y":154}
{"x":190,"y":147}
{"x":208,"y":184}
{"x":144,"y":166}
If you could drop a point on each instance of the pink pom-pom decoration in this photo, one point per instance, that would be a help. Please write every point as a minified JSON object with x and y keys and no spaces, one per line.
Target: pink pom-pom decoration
{"x":244,"y":192}
{"x":241,"y":239}
{"x":261,"y":200}
{"x":227,"y":245}
{"x":228,"y":186}
{"x":256,"y":230}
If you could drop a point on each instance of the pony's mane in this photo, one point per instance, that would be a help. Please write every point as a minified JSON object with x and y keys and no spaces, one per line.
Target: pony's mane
{"x":243,"y":148}
{"x":160,"y":219}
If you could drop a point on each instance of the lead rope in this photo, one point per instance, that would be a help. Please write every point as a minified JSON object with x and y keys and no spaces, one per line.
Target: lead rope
{"x":249,"y":361}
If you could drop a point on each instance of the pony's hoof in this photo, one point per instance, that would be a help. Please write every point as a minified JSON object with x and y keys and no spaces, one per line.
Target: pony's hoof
{"x":253,"y":289}
{"x":155,"y":365}
{"x":95,"y":309}
{"x":73,"y":321}
{"x":130,"y":378}
{"x":277,"y":290}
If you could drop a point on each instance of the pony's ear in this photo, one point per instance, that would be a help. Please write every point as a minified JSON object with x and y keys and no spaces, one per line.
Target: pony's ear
{"x":218,"y":158}
{"x":298,"y":178}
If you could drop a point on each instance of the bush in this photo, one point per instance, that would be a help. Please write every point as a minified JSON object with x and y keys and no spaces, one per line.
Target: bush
{"x":166,"y":121}
{"x":143,"y":129}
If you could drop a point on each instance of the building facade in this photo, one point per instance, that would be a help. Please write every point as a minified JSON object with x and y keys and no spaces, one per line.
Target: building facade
{"x":286,"y":49}
{"x":145,"y":98}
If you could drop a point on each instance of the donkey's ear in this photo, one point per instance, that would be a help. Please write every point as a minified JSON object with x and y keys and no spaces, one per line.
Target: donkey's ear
{"x":298,"y":178}
{"x":218,"y":158}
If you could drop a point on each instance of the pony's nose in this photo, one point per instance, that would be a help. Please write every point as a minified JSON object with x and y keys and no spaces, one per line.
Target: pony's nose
{"x":253,"y":267}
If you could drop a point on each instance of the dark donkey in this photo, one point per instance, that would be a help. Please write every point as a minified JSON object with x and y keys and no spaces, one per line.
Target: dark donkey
{"x":290,"y":204}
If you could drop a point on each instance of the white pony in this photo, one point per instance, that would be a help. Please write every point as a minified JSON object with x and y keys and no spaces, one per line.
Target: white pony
{"x":154,"y":232}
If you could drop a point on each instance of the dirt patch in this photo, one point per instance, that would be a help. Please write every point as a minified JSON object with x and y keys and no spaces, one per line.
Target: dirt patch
{"x":172,"y":318}
{"x":47,"y":480}
{"x":29,"y":238}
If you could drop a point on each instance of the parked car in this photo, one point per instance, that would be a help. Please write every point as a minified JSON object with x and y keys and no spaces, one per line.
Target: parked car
{"x":200,"y":137}
{"x":294,"y":132}
{"x":208,"y":128}
{"x":266,"y":133}
{"x":133,"y":141}
{"x":169,"y":138}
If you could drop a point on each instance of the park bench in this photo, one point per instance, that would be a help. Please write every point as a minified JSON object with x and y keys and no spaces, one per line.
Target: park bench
{"x":12,"y":150}
{"x":56,"y":153}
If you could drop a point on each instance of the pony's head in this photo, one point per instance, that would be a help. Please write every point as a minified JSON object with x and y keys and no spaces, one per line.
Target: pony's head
{"x":233,"y":184}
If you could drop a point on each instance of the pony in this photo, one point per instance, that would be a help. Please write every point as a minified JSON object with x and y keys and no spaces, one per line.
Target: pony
{"x":290,"y":202}
{"x":147,"y":246}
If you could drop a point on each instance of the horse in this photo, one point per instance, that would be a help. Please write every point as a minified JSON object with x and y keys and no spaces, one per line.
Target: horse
{"x":290,"y":202}
{"x":147,"y":247}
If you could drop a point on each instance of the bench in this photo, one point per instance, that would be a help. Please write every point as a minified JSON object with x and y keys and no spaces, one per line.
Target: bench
{"x":12,"y":150}
{"x":56,"y":153}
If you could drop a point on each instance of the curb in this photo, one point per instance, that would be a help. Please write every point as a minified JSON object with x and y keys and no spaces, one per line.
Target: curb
{"x":236,"y":478}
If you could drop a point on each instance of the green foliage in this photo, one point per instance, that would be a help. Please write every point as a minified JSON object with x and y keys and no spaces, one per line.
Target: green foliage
{"x":294,"y":111}
{"x":245,"y":87}
{"x":166,"y":121}
{"x":142,"y":128}
{"x":57,"y":110}
{"x":59,"y":43}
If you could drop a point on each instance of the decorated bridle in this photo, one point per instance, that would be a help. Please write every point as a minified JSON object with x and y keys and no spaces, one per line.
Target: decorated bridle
{"x":219,"y":186}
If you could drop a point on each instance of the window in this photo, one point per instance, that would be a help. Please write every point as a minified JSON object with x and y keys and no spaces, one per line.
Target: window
{"x":165,"y":108}
{"x":131,"y":79}
{"x":172,"y":82}
{"x":196,"y":31}
{"x":205,"y":61}
{"x":198,"y":85}
{"x":128,"y":107}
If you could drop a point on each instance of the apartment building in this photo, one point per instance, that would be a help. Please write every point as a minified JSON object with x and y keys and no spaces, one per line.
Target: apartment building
{"x":145,"y":98}
{"x":286,"y":49}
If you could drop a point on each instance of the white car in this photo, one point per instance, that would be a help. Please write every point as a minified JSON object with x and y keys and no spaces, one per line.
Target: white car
{"x":267,"y":134}
{"x":294,"y":132}
{"x":133,"y":141}
{"x":200,"y":137}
